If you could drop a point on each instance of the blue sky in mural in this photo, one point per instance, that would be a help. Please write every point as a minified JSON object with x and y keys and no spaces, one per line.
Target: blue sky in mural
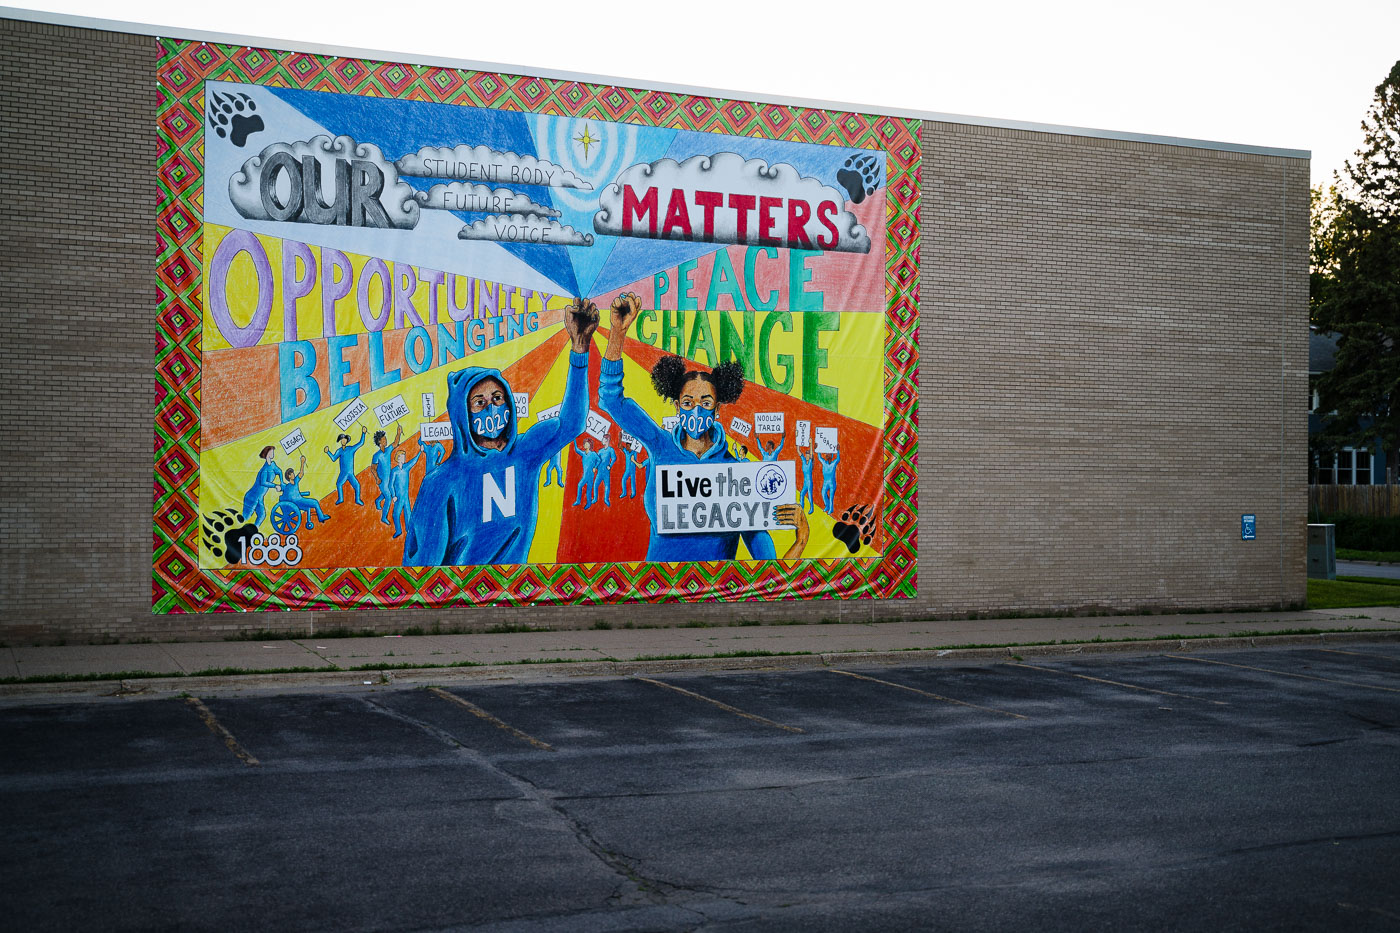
{"x":399,"y":127}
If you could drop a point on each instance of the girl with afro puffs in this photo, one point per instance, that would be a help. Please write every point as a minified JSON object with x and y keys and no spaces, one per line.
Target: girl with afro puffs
{"x":697,"y":438}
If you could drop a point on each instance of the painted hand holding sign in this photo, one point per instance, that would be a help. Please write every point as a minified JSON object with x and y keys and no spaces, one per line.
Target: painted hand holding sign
{"x":367,"y":248}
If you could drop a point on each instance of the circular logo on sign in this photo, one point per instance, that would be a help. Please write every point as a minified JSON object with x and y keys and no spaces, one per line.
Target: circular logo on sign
{"x":772,"y":482}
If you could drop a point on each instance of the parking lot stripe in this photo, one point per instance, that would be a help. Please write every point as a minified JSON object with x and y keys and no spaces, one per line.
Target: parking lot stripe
{"x":480,"y":713}
{"x":1358,"y":654}
{"x":218,"y":729}
{"x":1117,"y":683}
{"x":925,"y":693}
{"x":724,"y":706}
{"x":1267,"y":670}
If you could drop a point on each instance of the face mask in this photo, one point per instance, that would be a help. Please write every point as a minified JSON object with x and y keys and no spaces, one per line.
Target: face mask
{"x":490,"y":422}
{"x":697,"y":421}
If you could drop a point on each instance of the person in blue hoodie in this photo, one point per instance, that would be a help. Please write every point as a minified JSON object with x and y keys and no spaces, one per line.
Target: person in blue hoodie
{"x":345,"y":455}
{"x":269,"y":478}
{"x":588,"y":476}
{"x":481,"y":505}
{"x":697,"y":438}
{"x":771,"y":455}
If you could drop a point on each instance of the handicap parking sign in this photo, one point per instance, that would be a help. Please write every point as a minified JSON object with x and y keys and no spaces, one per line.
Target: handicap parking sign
{"x":1246,"y":527}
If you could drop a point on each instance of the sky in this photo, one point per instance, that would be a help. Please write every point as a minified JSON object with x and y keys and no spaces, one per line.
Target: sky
{"x":1280,"y":74}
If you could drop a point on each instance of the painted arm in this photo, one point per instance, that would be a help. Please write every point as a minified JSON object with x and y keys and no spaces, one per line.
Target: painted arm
{"x":782,"y":439}
{"x":627,"y":413}
{"x":351,"y":448}
{"x":409,"y":465}
{"x":540,"y":442}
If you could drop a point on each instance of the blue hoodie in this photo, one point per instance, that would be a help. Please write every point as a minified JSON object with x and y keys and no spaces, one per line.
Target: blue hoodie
{"x":665,"y":450}
{"x":480,"y":505}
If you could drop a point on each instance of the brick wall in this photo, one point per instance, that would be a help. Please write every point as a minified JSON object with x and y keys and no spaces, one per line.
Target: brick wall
{"x":1114,"y":368}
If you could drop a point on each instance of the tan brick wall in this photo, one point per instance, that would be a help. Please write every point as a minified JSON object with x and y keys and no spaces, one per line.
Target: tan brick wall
{"x":1114,"y":367}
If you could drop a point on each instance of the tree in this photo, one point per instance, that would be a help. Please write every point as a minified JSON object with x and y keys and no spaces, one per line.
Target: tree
{"x":1355,"y":286}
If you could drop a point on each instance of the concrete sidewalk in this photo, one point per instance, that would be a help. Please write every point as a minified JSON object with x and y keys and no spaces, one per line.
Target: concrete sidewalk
{"x":384,"y":656}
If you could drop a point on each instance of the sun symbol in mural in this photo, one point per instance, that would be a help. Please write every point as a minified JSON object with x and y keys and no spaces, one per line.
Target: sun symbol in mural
{"x":586,"y":139}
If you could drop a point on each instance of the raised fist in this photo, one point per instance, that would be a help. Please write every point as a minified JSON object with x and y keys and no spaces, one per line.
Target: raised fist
{"x":580,"y":321}
{"x":625,"y":308}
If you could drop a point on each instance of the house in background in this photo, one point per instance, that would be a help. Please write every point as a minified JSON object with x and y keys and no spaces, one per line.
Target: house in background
{"x":1346,"y":467}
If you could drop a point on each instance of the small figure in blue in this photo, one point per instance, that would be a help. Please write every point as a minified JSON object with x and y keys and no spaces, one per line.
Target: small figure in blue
{"x":269,"y":478}
{"x":588,"y":476}
{"x":291,"y":492}
{"x":554,"y":466}
{"x":345,"y":455}
{"x":771,"y":454}
{"x":606,"y":458}
{"x":632,"y":461}
{"x":436,"y":452}
{"x":829,"y":462}
{"x":741,"y":452}
{"x":807,"y":463}
{"x":400,"y":503}
{"x":383,"y":466}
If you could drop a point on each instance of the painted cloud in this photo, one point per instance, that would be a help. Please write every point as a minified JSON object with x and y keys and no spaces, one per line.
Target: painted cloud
{"x":524,"y":228}
{"x":289,"y":182}
{"x":723,"y":198}
{"x":465,"y":196}
{"x":488,"y":166}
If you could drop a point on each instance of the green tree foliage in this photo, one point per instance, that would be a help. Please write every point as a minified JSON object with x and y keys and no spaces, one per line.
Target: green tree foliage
{"x":1355,"y":286}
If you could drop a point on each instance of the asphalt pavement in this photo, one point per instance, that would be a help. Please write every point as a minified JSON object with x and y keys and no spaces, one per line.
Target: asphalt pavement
{"x":1364,"y":568}
{"x":1170,"y":789}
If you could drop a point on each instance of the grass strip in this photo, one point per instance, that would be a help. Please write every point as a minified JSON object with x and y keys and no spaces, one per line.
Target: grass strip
{"x":1349,"y":592}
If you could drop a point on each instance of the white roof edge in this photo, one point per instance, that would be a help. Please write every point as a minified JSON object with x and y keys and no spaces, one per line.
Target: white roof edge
{"x":109,"y":25}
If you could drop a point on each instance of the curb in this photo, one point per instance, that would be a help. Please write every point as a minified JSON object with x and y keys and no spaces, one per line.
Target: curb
{"x":313,"y":681}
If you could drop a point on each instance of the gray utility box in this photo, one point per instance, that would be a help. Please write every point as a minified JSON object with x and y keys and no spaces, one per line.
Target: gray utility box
{"x":1322,"y":552}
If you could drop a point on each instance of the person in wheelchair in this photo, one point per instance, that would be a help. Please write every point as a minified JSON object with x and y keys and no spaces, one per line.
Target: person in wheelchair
{"x":291,"y":492}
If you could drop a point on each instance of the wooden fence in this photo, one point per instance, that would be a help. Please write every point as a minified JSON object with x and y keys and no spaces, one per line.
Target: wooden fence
{"x":1354,"y":500}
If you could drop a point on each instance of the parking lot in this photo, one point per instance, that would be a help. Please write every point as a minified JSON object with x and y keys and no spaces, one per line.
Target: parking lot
{"x":1195,"y":790}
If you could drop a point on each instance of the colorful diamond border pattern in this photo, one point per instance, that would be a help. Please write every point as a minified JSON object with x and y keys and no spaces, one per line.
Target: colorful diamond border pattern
{"x":179,"y":585}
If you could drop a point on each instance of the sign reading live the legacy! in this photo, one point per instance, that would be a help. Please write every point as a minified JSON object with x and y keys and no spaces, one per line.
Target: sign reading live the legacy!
{"x":443,"y":337}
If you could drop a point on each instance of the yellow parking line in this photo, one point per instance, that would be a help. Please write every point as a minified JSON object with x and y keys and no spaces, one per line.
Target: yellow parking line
{"x":925,"y":693}
{"x":1118,"y":683}
{"x":724,"y":706}
{"x":480,"y":713}
{"x":1266,"y":670}
{"x":218,"y":729}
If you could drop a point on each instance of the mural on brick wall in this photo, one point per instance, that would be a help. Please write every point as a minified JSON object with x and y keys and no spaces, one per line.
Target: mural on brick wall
{"x":442,"y":337}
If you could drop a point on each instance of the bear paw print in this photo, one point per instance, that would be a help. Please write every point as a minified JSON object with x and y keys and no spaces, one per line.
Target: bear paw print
{"x":226,"y":535}
{"x":233,"y":117}
{"x":856,"y":527}
{"x":860,"y":176}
